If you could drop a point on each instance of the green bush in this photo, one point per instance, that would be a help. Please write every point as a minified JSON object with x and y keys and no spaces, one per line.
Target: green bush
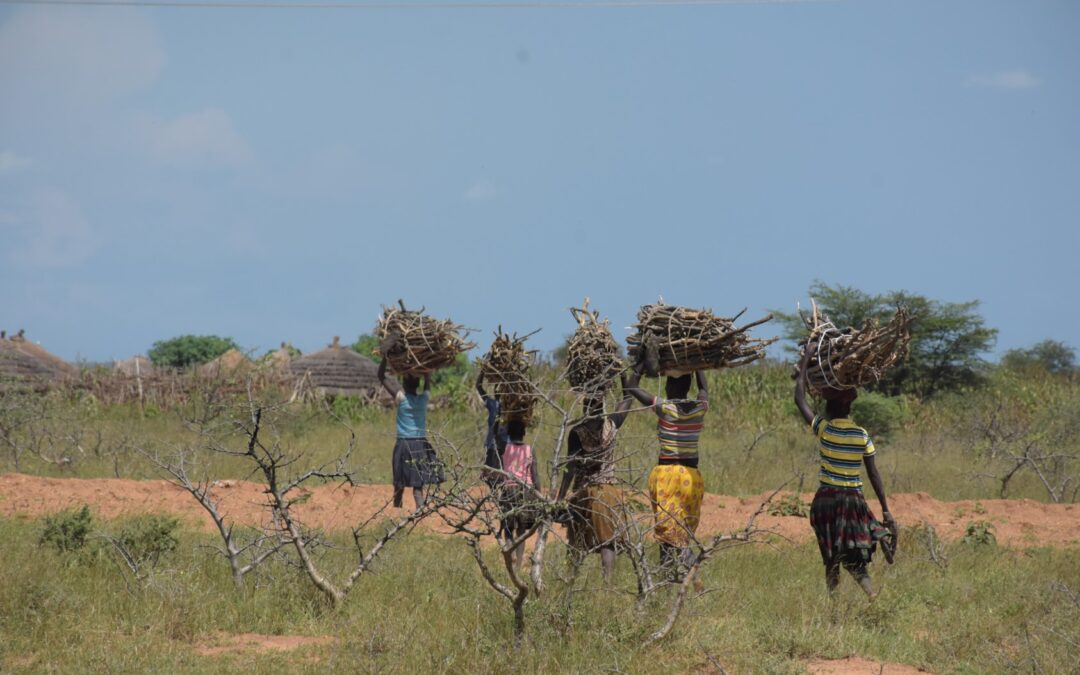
{"x":980,"y":533}
{"x":189,"y":350}
{"x":877,"y":413}
{"x":67,"y":531}
{"x":147,"y":538}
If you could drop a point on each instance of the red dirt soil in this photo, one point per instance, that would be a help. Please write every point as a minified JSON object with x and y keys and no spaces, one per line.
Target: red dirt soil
{"x":228,"y":643}
{"x":1018,"y":523}
{"x":858,"y":666}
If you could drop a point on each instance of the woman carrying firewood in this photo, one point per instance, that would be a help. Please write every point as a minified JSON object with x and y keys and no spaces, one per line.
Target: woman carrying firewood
{"x":596,"y":502}
{"x":518,"y":487}
{"x":847,"y":532}
{"x":415,"y":464}
{"x":496,"y":438}
{"x":676,"y":487}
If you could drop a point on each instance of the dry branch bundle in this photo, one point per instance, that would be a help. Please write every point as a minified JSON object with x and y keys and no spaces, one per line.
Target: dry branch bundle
{"x":593,"y":359}
{"x":677,"y":340}
{"x":506,"y":367}
{"x":420,"y":344}
{"x":850,"y":358}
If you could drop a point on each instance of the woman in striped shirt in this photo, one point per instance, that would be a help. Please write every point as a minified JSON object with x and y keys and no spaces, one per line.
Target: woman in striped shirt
{"x":676,"y":487}
{"x":847,"y":532}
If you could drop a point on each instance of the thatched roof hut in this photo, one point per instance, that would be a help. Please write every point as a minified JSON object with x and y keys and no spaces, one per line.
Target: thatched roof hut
{"x":339,"y":371}
{"x":277,"y":360}
{"x":228,"y":363}
{"x":21,"y":359}
{"x":136,"y":365}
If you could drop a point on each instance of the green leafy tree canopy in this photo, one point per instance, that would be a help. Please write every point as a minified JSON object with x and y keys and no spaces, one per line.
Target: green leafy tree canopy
{"x":948,"y":339}
{"x":189,"y":350}
{"x":1052,"y":356}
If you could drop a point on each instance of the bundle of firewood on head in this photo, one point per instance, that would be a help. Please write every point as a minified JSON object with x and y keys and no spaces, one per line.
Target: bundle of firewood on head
{"x":413,"y":343}
{"x":506,"y":368}
{"x":677,"y":340}
{"x":845,"y":359}
{"x":593,"y":359}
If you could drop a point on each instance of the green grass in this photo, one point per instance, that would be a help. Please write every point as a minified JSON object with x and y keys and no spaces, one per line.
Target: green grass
{"x":754,"y":440}
{"x":426,"y":609}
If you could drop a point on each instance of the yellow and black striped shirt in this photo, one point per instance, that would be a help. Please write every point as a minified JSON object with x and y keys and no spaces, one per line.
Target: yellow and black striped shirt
{"x":842,"y":446}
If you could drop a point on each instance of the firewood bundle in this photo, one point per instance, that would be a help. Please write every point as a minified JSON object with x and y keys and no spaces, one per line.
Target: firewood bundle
{"x":417,"y":344}
{"x":850,"y":358}
{"x":677,"y":340}
{"x":506,"y":368}
{"x":593,"y":359}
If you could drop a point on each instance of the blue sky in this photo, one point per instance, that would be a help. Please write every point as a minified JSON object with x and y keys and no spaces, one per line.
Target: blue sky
{"x":279,"y":174}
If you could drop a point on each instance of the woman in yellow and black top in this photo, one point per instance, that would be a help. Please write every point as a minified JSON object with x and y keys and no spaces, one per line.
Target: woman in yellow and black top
{"x":676,"y":487}
{"x":847,"y":532}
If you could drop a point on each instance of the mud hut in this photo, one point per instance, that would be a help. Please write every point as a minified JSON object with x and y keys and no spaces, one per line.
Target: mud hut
{"x":339,"y":371}
{"x":229,"y":363}
{"x":21,"y":359}
{"x":135,"y":366}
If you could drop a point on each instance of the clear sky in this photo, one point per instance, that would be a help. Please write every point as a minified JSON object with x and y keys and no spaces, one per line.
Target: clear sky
{"x":279,"y":174}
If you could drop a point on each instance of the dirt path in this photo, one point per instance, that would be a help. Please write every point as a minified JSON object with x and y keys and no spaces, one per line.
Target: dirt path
{"x":1018,"y":523}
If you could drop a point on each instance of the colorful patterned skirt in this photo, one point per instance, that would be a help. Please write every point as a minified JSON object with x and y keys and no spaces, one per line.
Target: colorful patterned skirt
{"x":676,"y":492}
{"x":847,"y":531}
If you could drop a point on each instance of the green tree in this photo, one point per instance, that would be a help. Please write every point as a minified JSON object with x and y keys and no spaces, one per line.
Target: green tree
{"x":366,"y":345}
{"x":1050,"y":355}
{"x":948,"y":339}
{"x":189,"y":350}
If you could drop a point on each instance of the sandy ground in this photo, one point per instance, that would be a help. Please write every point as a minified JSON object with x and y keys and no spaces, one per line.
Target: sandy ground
{"x":855,"y":665}
{"x":1018,"y":523}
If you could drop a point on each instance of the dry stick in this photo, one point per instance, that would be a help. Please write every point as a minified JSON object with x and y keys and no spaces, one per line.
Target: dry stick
{"x":743,"y":537}
{"x":684,"y":340}
{"x":201,"y":492}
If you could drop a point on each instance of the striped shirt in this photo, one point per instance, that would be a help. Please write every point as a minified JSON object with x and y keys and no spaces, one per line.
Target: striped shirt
{"x":677,"y":429}
{"x":842,"y":446}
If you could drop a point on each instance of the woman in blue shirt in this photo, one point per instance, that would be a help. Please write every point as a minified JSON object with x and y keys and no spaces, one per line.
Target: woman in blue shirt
{"x":414,"y":461}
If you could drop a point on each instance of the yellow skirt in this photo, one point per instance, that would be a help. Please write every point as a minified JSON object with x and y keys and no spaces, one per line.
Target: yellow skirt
{"x":676,"y":493}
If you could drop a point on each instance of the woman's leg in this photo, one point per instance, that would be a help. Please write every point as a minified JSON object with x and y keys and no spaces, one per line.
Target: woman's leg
{"x":399,"y":491}
{"x":858,"y":571}
{"x":418,"y":497}
{"x":607,"y":561}
{"x":832,"y":575}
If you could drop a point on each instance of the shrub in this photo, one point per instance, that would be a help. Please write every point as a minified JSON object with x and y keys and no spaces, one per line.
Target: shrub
{"x":67,"y":531}
{"x":189,"y":350}
{"x":980,"y":533}
{"x":877,"y":413}
{"x":147,"y":538}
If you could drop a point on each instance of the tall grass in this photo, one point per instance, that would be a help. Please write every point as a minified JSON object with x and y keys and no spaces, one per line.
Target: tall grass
{"x":425,"y":609}
{"x":754,"y":439}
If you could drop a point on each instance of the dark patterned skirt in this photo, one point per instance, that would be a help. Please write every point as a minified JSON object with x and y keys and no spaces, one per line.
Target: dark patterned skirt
{"x":846,"y":529}
{"x":415,"y":463}
{"x":518,"y":507}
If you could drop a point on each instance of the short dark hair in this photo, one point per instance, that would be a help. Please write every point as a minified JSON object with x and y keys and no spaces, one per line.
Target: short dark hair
{"x":678,"y":387}
{"x":515,"y":428}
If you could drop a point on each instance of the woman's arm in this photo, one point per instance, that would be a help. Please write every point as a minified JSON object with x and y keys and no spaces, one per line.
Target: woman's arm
{"x":702,"y":386}
{"x":879,"y":490}
{"x":427,"y":382}
{"x":800,"y":387}
{"x":623,"y":409}
{"x":573,"y":447}
{"x":382,"y":378}
{"x":634,"y":390}
{"x":480,"y":385}
{"x":535,"y":474}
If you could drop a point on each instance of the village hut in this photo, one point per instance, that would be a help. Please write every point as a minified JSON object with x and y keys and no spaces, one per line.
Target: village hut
{"x":339,"y":371}
{"x":277,"y":360}
{"x":229,"y":363}
{"x":135,"y":366}
{"x":22,"y":359}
